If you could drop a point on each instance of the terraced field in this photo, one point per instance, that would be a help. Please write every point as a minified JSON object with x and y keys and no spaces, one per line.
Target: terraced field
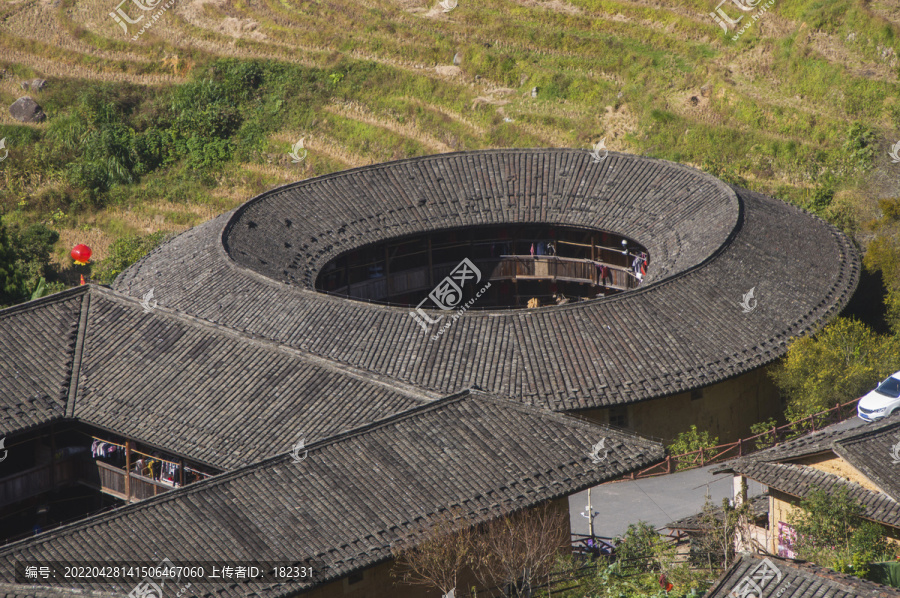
{"x":803,"y":105}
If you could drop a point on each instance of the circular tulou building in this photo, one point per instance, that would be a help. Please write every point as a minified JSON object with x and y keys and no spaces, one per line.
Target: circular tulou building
{"x":634,"y":291}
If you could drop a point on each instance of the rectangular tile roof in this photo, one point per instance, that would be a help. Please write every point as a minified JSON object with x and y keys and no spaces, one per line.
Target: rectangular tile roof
{"x":787,"y":578}
{"x":801,"y":480}
{"x":355,"y":494}
{"x":38,"y":342}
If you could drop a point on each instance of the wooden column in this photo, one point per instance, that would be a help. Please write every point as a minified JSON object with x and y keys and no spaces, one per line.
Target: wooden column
{"x":127,"y":471}
{"x":181,"y":472}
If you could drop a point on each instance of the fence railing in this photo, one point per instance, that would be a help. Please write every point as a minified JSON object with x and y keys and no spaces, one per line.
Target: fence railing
{"x":746,"y":446}
{"x":111,"y":480}
{"x":505,"y":267}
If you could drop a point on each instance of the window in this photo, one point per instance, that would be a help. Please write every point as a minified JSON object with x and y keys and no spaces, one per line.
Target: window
{"x":618,"y":416}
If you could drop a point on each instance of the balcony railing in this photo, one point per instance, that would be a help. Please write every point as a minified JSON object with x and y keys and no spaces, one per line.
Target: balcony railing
{"x":111,"y":480}
{"x":506,"y":267}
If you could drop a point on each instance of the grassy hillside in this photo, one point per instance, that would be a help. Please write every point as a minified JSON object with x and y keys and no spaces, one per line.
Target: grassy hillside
{"x":198,"y":113}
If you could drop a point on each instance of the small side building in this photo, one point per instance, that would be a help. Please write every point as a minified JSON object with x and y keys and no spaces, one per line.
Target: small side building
{"x":859,"y":457}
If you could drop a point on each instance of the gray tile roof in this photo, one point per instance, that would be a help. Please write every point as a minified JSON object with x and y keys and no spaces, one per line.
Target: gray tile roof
{"x":356,"y":494}
{"x":794,"y":579}
{"x":37,"y":347}
{"x":253,"y":270}
{"x":872,"y":453}
{"x":800,"y":480}
{"x":181,"y":384}
{"x":759,"y":506}
{"x":867,"y":447}
{"x":10,"y":590}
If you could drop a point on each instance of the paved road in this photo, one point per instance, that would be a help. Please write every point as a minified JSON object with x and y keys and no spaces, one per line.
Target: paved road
{"x":659,"y":500}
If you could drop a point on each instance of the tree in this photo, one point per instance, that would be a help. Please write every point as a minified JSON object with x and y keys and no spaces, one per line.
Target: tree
{"x":722,"y":531}
{"x":517,"y":549}
{"x":831,"y":532}
{"x":840,"y":363}
{"x":643,"y":550}
{"x":436,"y":561}
{"x":693,"y":440}
{"x":24,"y":261}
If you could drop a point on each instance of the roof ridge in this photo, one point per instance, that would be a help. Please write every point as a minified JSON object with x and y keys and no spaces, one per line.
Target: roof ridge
{"x":558,"y":415}
{"x":75,"y":371}
{"x":242,"y":470}
{"x":414,"y":392}
{"x":42,"y":301}
{"x":880,"y":428}
{"x":317,"y":445}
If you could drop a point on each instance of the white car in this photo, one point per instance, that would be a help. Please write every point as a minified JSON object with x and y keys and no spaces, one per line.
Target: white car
{"x":882,"y":401}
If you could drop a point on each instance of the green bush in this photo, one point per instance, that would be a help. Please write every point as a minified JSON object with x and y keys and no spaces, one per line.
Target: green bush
{"x":24,"y":261}
{"x":766,"y":440}
{"x":123,"y":253}
{"x":840,"y":363}
{"x":832,"y":533}
{"x":860,"y":145}
{"x":690,"y":441}
{"x":642,"y":549}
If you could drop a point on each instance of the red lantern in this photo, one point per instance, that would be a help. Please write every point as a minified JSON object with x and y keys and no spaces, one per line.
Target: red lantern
{"x":81,"y":254}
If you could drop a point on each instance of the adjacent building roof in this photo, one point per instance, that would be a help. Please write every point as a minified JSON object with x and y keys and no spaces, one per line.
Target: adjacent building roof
{"x":175,"y":382}
{"x":37,"y":347}
{"x":801,"y":480}
{"x":787,"y":578}
{"x":759,"y":506}
{"x":355,"y":494}
{"x":254,"y":269}
{"x":869,"y":448}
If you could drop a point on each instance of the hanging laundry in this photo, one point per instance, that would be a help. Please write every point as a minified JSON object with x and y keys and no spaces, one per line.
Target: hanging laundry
{"x":532,"y":250}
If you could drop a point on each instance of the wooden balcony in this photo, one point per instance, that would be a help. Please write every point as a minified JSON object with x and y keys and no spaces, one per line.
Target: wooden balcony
{"x":77,"y":470}
{"x":112,"y":480}
{"x":506,"y":267}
